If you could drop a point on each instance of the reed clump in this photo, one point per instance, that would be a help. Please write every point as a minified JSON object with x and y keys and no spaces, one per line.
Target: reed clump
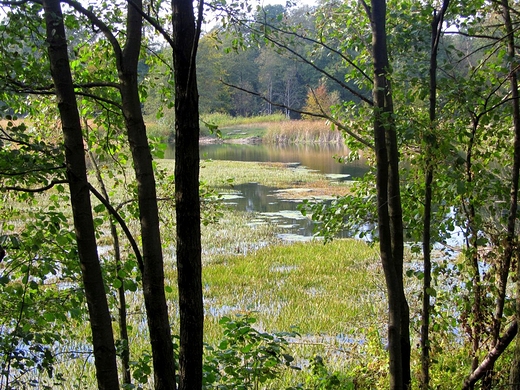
{"x":302,"y":131}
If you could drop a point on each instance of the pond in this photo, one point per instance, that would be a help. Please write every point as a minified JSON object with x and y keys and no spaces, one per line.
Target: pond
{"x":319,"y":157}
{"x":264,"y":201}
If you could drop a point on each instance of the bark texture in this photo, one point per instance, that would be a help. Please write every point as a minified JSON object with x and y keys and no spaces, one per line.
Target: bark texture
{"x":390,"y":223}
{"x":185,"y":41}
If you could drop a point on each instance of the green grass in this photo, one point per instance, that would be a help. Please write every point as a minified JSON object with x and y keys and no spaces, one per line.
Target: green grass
{"x":217,"y":173}
{"x":322,"y":289}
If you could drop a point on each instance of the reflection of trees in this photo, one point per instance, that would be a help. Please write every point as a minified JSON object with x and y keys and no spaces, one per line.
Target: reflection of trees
{"x":318,"y":157}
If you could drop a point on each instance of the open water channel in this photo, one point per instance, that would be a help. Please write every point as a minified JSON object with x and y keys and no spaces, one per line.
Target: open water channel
{"x":263,"y":201}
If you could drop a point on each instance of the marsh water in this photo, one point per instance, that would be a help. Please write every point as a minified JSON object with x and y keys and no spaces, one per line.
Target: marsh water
{"x":262,"y":200}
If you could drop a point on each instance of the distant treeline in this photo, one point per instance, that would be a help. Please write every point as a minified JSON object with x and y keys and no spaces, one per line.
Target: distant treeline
{"x":230,"y":64}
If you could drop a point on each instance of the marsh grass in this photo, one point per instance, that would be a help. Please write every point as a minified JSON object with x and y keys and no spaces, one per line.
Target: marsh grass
{"x":223,"y":173}
{"x":322,"y":289}
{"x":302,"y":131}
{"x":329,"y":292}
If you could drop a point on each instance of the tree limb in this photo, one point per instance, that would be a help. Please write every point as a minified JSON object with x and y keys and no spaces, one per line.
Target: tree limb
{"x":35,"y":190}
{"x":123,"y":225}
{"x":323,"y":115}
{"x":102,"y":26}
{"x":492,"y":356}
{"x":12,"y":174}
{"x":322,"y":44}
{"x":153,"y":23}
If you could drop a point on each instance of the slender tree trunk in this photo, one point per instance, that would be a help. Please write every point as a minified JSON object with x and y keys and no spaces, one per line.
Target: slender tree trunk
{"x":429,"y":144}
{"x":100,"y":322}
{"x":389,"y":203}
{"x":189,"y":268}
{"x":511,"y":244}
{"x":153,"y":273}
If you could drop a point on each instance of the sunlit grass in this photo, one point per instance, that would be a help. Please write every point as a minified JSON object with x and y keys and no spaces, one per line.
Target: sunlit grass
{"x":322,"y":289}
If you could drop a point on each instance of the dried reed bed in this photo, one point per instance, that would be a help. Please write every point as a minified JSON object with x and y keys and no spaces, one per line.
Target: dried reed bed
{"x":302,"y":131}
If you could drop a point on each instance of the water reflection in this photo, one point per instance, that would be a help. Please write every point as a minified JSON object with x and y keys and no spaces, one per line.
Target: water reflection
{"x":284,"y":213}
{"x":319,"y":157}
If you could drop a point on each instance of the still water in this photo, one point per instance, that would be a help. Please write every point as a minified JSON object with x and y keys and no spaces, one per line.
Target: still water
{"x":263,"y":201}
{"x":322,"y":158}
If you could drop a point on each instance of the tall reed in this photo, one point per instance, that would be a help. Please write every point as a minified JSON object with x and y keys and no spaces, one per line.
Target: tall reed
{"x":302,"y":131}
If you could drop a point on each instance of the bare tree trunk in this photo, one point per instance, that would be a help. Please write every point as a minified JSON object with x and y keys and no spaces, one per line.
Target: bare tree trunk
{"x":189,"y":267}
{"x":153,"y":273}
{"x":100,"y":322}
{"x":429,"y":144}
{"x":492,"y":357}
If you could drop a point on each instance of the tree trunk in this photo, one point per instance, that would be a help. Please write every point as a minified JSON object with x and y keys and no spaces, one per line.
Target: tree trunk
{"x":100,"y":322}
{"x":389,"y":203}
{"x":185,"y":41}
{"x":153,"y":272}
{"x":514,"y":379}
{"x":429,"y":144}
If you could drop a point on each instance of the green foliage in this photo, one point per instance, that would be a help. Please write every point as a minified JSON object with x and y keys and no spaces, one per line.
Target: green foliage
{"x":246,"y":357}
{"x":321,"y":379}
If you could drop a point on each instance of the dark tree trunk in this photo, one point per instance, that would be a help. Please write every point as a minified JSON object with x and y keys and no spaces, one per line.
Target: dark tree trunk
{"x":153,"y":272}
{"x":185,"y":41}
{"x":100,"y":322}
{"x":429,"y":142}
{"x":389,"y":203}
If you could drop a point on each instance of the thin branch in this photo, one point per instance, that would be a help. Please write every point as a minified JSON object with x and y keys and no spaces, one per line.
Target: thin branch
{"x":195,"y":44}
{"x":99,"y":84}
{"x":102,"y":27}
{"x":16,"y":3}
{"x":100,"y":99}
{"x":367,"y":8}
{"x":13,"y":174}
{"x":322,"y":44}
{"x":336,"y":123}
{"x":322,"y":71}
{"x":35,"y":190}
{"x":123,"y":225}
{"x":492,"y":356}
{"x":155,"y":24}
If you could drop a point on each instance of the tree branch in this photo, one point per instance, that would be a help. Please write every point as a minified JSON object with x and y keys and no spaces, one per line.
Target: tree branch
{"x":123,"y":225}
{"x":317,"y":68}
{"x":322,"y":44}
{"x":102,"y":26}
{"x":100,"y":99}
{"x":35,"y":190}
{"x":323,"y":115}
{"x":12,"y":174}
{"x":492,"y":356}
{"x":153,"y":22}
